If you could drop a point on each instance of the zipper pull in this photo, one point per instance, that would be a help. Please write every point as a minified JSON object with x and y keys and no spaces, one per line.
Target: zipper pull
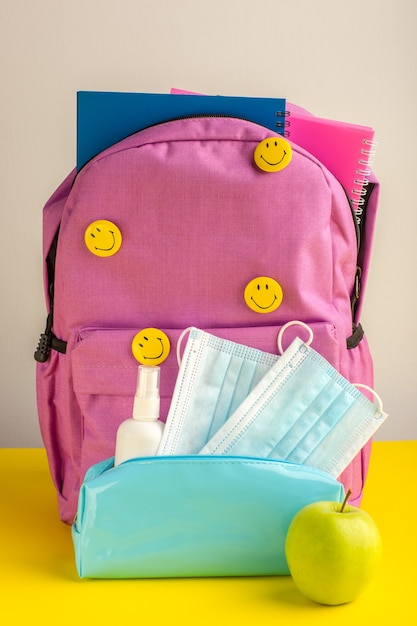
{"x":356,"y":291}
{"x":45,"y":341}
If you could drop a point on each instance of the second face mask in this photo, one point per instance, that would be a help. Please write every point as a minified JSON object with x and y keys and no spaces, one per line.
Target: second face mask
{"x":214,"y":378}
{"x":302,"y":411}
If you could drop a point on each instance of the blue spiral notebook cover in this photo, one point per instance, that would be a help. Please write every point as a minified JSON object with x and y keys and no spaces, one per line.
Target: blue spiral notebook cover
{"x":104,"y":118}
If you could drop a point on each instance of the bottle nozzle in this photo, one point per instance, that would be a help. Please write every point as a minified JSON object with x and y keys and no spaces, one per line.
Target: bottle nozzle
{"x":148,"y":382}
{"x":146,"y":403}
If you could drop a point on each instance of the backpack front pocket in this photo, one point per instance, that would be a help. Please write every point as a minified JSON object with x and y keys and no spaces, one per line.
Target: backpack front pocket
{"x":104,"y":373}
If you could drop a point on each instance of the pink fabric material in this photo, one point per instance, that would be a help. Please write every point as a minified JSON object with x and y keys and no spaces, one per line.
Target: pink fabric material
{"x":199,"y":220}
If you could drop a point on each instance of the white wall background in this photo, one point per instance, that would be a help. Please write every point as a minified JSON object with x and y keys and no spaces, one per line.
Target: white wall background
{"x":354,"y":60}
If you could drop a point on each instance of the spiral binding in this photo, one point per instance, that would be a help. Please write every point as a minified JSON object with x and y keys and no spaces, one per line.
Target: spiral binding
{"x":363,"y":172}
{"x":282,"y":124}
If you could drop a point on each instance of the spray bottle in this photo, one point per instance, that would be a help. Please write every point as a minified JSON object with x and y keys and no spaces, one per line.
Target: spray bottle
{"x":141,"y":434}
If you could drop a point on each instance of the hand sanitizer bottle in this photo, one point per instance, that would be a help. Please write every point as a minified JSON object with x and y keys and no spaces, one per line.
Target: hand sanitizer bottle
{"x":141,"y":434}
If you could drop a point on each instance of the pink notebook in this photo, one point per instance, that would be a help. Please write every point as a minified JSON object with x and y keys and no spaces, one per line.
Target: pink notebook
{"x":345,"y":149}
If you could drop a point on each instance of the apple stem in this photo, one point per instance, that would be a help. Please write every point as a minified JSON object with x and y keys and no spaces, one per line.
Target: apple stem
{"x":349,"y":493}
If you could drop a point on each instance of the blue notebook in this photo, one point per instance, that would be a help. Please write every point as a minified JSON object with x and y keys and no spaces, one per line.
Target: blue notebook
{"x":104,"y":118}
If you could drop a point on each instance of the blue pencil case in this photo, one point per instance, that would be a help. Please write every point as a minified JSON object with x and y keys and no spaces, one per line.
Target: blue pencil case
{"x":157,"y":517}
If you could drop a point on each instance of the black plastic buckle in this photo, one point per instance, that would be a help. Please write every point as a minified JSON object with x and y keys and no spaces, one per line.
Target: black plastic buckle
{"x":45,"y":342}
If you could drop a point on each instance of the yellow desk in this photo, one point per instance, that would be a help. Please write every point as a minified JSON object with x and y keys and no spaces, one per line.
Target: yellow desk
{"x":39,"y":582}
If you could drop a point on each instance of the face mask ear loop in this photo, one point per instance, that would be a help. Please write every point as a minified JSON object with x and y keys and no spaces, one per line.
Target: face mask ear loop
{"x":179,"y":342}
{"x":376,"y":397}
{"x":294,"y":323}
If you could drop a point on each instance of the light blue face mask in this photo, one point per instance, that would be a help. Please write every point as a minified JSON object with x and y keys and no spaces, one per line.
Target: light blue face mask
{"x":303,"y":411}
{"x":214,"y":378}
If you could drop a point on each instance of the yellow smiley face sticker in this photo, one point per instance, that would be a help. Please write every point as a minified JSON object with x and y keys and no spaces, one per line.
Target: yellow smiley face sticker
{"x":151,"y":346}
{"x":103,"y":238}
{"x":263,"y":294}
{"x":272,"y":154}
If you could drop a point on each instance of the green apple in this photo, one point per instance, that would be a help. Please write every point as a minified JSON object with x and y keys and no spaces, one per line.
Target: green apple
{"x":333,"y":551}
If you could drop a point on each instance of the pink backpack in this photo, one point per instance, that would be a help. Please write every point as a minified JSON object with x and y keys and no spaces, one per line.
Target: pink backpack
{"x":198,"y":220}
